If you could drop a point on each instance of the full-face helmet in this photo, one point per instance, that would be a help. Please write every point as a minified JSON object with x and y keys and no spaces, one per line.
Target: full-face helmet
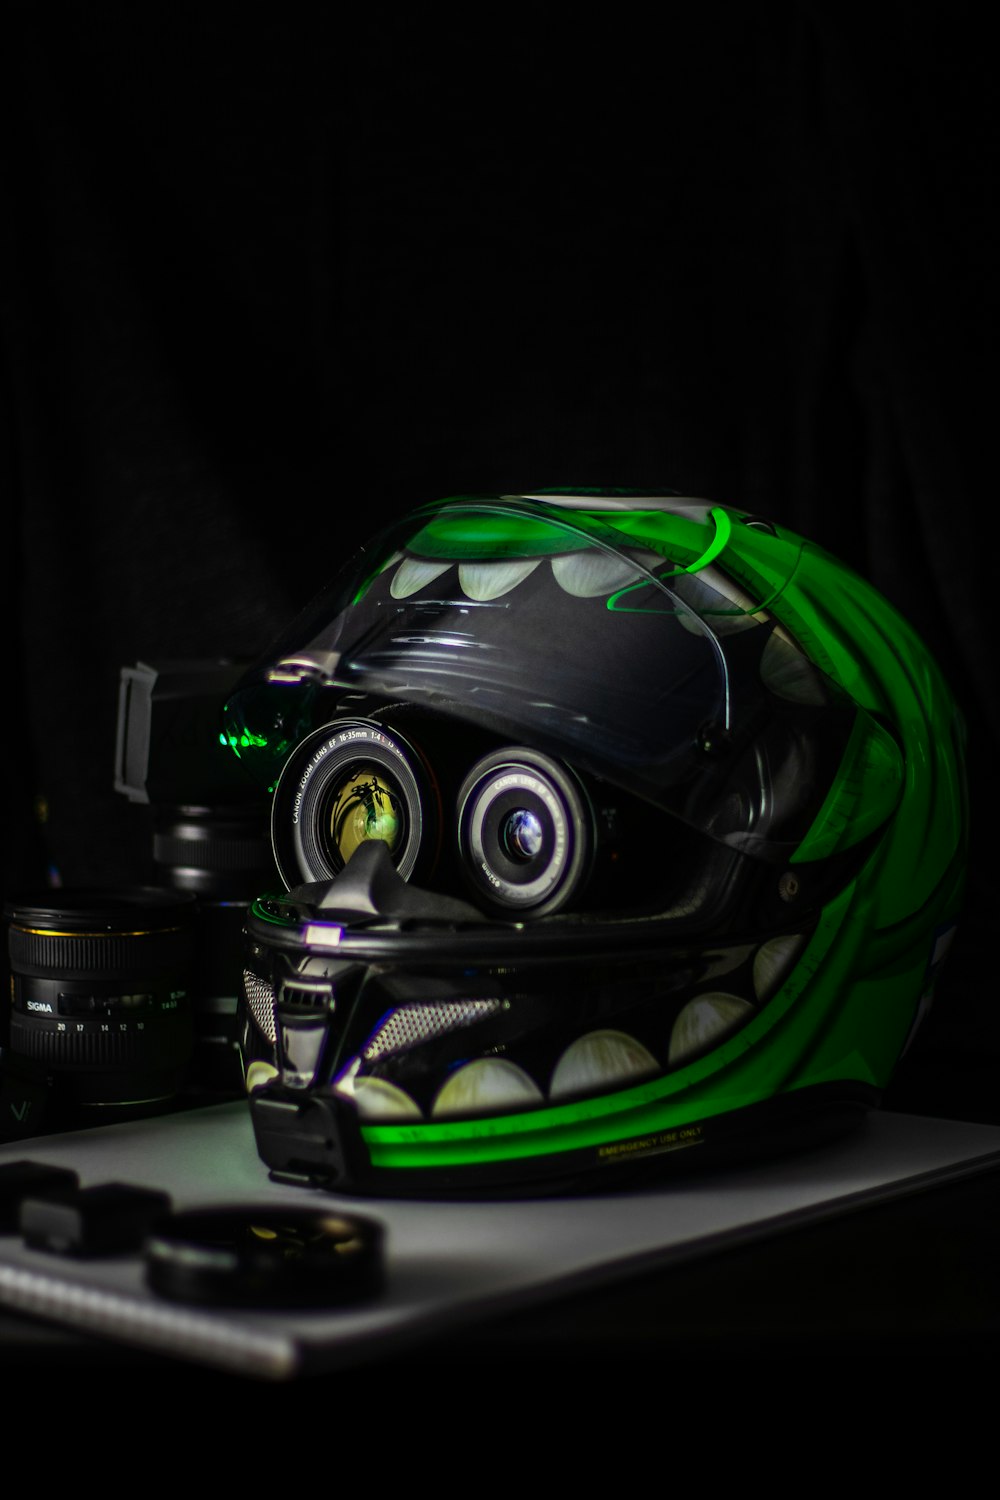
{"x":617,"y":831}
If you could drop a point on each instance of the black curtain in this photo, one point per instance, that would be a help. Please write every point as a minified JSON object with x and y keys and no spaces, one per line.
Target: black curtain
{"x":270,"y":277}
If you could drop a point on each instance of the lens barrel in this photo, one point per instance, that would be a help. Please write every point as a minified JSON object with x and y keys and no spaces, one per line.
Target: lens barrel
{"x":223,"y":856}
{"x":349,"y":782}
{"x":100,"y":994}
{"x":524,"y":832}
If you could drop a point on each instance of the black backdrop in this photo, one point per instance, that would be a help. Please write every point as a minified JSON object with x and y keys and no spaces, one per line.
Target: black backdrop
{"x":266,"y":281}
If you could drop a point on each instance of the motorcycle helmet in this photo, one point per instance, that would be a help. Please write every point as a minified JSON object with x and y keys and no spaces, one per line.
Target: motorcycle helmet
{"x":619,"y":831}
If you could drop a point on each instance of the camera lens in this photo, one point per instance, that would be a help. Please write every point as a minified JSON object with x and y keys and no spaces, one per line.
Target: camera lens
{"x":344,"y":785}
{"x":100,"y":993}
{"x":525,"y":832}
{"x":223,"y":856}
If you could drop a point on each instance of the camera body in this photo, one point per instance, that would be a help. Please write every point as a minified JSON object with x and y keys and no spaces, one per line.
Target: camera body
{"x":124,"y":1000}
{"x":210,"y":834}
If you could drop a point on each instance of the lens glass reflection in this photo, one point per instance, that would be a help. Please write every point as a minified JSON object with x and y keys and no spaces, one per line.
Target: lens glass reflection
{"x":365,"y":805}
{"x":522,"y":834}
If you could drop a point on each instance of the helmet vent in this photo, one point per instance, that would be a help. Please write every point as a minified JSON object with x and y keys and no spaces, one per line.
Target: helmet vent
{"x":304,"y":999}
{"x":260,"y":999}
{"x":410,"y":1025}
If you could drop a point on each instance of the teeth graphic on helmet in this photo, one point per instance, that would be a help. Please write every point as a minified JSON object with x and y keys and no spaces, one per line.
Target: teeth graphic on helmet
{"x":483,"y":581}
{"x":259,"y":1073}
{"x":488,"y":1083}
{"x":790,"y":675}
{"x":598,"y":1059}
{"x":413,"y":574}
{"x":773,"y":961}
{"x":725,"y":960}
{"x":725,"y":606}
{"x":378,"y":1099}
{"x":588,"y":575}
{"x":704,"y":1023}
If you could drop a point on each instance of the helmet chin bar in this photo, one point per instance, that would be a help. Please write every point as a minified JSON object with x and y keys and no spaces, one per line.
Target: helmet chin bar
{"x":315,"y":1140}
{"x":307,"y":1124}
{"x":308,"y":1135}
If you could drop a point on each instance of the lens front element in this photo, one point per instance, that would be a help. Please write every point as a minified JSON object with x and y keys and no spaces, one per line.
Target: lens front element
{"x":346,"y":784}
{"x":523,"y":835}
{"x":524,"y":832}
{"x":365,"y":805}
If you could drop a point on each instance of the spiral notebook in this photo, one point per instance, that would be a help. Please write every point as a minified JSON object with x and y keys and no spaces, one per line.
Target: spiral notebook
{"x":446,"y":1263}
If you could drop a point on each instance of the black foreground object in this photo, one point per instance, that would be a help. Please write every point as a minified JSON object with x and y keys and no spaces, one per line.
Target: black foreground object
{"x":29,"y":1179}
{"x":254,"y":1256}
{"x":107,"y":1219}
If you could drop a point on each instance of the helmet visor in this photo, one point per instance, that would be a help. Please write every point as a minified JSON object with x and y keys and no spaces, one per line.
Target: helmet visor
{"x":616,"y":641}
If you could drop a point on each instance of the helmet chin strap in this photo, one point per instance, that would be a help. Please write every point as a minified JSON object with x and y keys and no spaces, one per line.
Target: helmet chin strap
{"x":371,"y":889}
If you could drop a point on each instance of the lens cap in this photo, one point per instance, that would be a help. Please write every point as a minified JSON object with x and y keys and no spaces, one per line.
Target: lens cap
{"x":253,"y":1256}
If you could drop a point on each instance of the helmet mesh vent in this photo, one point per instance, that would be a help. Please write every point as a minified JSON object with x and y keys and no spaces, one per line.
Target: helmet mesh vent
{"x":260,"y":999}
{"x":410,"y":1025}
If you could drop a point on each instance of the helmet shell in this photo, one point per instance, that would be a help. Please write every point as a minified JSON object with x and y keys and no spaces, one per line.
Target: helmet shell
{"x":772,"y":746}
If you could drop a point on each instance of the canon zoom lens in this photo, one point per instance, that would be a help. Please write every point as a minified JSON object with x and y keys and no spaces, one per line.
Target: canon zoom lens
{"x":100,"y":995}
{"x":525,"y":831}
{"x":346,"y":784}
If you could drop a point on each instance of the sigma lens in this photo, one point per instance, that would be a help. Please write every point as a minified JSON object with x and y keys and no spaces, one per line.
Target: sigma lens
{"x":100,"y":995}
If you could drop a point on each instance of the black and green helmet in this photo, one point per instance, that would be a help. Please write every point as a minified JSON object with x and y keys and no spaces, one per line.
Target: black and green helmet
{"x":618,"y":830}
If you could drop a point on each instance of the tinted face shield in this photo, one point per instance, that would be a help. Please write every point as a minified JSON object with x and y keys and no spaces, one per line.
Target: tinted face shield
{"x":543,"y":628}
{"x":615,"y":644}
